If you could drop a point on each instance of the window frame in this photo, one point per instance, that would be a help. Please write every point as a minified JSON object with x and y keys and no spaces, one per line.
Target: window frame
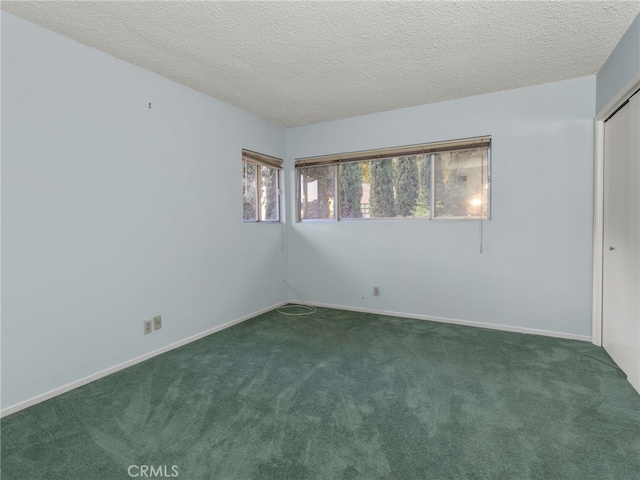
{"x":261,"y":160}
{"x":429,"y":149}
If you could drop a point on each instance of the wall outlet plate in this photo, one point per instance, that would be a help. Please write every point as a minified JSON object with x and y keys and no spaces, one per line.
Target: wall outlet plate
{"x":157,"y":322}
{"x":376,"y":291}
{"x":147,"y":327}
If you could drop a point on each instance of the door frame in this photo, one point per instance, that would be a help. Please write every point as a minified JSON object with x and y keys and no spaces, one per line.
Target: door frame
{"x":598,"y":201}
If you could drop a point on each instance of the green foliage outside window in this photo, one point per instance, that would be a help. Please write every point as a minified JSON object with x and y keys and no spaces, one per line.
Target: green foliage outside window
{"x":455,"y":181}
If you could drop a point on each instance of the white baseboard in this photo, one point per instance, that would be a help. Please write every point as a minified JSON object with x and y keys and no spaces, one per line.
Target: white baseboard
{"x":121,"y":366}
{"x":103,"y":373}
{"x":468,"y":323}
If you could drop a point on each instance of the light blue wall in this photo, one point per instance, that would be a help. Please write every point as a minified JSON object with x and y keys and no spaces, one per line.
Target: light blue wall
{"x":113,"y":212}
{"x":535,"y":271}
{"x":622,"y":66}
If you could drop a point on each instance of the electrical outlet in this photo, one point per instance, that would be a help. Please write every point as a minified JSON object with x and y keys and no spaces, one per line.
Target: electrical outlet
{"x":157,"y":322}
{"x":147,"y":327}
{"x":376,"y":291}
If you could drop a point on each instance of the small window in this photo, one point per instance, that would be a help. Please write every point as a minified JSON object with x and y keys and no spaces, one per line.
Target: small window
{"x":260,"y":187}
{"x":461,"y":184}
{"x":317,"y":192}
{"x":430,"y":181}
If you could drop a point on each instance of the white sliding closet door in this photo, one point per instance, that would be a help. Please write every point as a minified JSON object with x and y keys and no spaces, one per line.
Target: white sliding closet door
{"x":621,"y":255}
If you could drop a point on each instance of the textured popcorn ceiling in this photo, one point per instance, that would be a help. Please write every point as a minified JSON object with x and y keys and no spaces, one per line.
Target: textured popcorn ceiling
{"x":297,"y":63}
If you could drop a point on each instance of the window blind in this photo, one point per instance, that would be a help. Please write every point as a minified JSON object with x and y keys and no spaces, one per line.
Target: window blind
{"x":404,"y":151}
{"x":261,"y":159}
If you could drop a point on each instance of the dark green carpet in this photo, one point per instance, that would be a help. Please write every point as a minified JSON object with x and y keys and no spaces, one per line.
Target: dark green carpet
{"x":342,"y":395}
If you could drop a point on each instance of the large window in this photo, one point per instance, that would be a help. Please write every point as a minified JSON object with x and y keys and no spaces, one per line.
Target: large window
{"x":430,"y":181}
{"x":260,"y":187}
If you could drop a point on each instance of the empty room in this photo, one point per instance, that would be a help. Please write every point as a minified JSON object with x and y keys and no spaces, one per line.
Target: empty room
{"x":320,"y":240}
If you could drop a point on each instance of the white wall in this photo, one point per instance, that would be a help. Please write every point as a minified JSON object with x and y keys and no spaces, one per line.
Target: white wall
{"x":535,"y":270}
{"x":113,"y":212}
{"x":621,"y":69}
